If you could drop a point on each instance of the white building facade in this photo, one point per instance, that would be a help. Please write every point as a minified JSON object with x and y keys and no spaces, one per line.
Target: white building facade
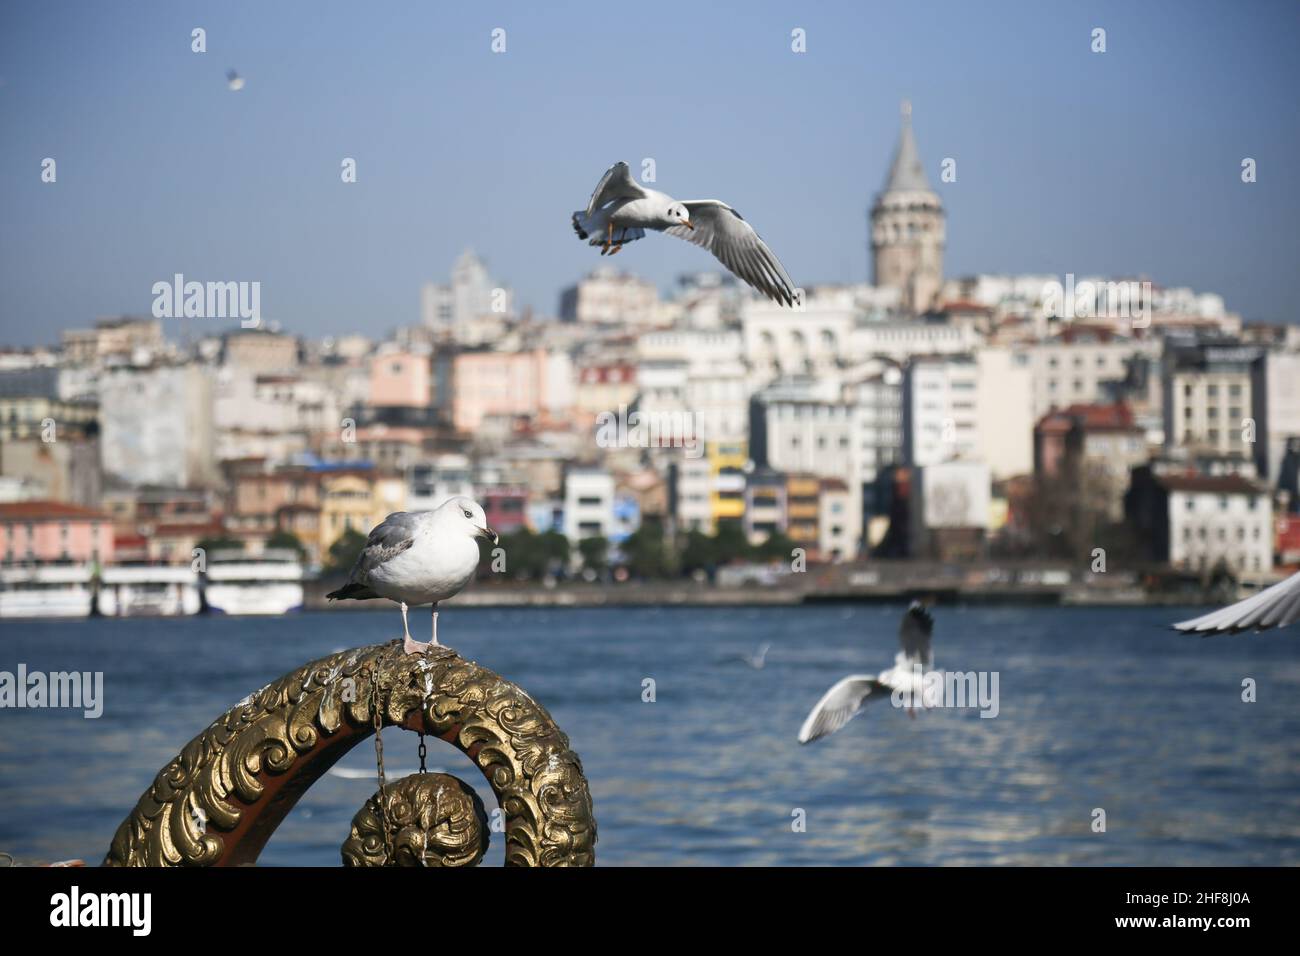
{"x":588,"y":504}
{"x":1233,"y":524}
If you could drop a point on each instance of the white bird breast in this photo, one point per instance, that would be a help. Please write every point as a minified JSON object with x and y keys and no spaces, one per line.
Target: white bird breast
{"x":434,"y":568}
{"x":650,"y":211}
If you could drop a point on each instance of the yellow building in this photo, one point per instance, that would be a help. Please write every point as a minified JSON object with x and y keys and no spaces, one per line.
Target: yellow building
{"x":803,"y":510}
{"x":727,"y":462}
{"x":355,"y":500}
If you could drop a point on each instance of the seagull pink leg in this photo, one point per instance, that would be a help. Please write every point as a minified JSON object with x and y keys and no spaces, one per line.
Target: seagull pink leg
{"x":434,"y":642}
{"x":410,"y":646}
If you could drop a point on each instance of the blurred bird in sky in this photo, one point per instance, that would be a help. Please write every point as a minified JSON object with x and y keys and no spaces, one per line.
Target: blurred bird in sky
{"x":1277,"y":606}
{"x":912,"y":664}
{"x":621,"y":210}
{"x":234,"y":81}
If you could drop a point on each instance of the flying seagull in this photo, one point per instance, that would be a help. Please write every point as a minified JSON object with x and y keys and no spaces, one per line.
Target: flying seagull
{"x":621,"y":210}
{"x":1276,"y":606}
{"x":846,"y":699}
{"x":419,"y":557}
{"x":234,"y":81}
{"x":756,"y":661}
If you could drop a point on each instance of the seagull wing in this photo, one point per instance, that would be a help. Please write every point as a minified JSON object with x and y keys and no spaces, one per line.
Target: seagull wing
{"x":388,"y":539}
{"x":914,"y":637}
{"x":617,"y":183}
{"x":1277,"y":606}
{"x":722,"y":231}
{"x":839,"y":705}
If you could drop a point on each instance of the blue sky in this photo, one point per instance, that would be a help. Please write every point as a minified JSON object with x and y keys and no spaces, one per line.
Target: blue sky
{"x":1068,"y":161}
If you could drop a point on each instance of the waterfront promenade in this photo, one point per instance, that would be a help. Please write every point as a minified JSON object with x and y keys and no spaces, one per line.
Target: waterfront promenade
{"x":881,"y":581}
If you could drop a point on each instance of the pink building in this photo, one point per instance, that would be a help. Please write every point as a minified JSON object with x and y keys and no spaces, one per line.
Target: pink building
{"x":506,"y":508}
{"x":500,"y":383}
{"x":400,"y":379}
{"x":51,"y":531}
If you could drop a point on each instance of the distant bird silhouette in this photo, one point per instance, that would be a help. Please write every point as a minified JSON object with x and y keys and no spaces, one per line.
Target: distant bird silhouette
{"x":912,"y":663}
{"x":756,"y":661}
{"x":419,"y":557}
{"x":234,"y":81}
{"x":1277,"y":606}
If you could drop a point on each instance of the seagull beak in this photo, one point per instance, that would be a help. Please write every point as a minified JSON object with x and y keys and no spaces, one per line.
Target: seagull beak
{"x":488,"y":533}
{"x":688,"y":224}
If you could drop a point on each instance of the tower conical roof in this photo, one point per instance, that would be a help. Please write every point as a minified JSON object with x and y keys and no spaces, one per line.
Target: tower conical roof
{"x":907,"y":174}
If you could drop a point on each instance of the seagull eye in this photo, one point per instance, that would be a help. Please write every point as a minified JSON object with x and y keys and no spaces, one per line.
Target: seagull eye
{"x":467,"y":514}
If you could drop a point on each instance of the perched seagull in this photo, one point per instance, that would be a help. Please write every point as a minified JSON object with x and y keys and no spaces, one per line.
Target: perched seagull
{"x":1276,"y":606}
{"x":419,"y":557}
{"x":234,"y":81}
{"x":846,"y":699}
{"x":621,"y":210}
{"x":756,"y":661}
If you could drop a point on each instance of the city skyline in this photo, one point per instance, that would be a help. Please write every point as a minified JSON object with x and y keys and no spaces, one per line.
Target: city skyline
{"x":163,"y":169}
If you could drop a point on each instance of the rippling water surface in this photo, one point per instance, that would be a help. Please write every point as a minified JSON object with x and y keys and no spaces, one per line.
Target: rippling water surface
{"x":1099,"y":708}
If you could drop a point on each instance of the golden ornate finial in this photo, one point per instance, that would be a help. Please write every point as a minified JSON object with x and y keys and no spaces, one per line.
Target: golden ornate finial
{"x":219,"y":800}
{"x":433,"y":819}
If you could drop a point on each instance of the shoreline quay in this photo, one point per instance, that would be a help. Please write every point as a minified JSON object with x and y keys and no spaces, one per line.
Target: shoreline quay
{"x":690,"y":594}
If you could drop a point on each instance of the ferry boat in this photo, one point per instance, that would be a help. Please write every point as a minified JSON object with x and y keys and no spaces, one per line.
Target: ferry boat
{"x":271,"y":584}
{"x":140,"y":590}
{"x":47,"y":591}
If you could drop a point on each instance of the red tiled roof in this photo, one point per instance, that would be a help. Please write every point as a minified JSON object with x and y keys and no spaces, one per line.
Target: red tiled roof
{"x":1116,"y":417}
{"x":1077,"y":331}
{"x":964,"y":305}
{"x":1212,"y":484}
{"x":48,"y":511}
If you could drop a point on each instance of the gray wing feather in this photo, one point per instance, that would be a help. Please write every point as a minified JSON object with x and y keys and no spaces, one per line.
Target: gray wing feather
{"x":914,"y":636}
{"x":617,"y":183}
{"x":839,"y":705}
{"x":734,"y":243}
{"x":389,"y":538}
{"x":1276,"y":606}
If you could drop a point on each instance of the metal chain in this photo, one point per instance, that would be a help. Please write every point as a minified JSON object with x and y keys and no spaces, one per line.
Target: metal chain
{"x":424,"y":752}
{"x":376,"y":711}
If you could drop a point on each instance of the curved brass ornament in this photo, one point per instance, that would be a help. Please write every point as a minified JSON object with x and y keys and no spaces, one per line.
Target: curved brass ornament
{"x":433,"y":818}
{"x":220,"y":799}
